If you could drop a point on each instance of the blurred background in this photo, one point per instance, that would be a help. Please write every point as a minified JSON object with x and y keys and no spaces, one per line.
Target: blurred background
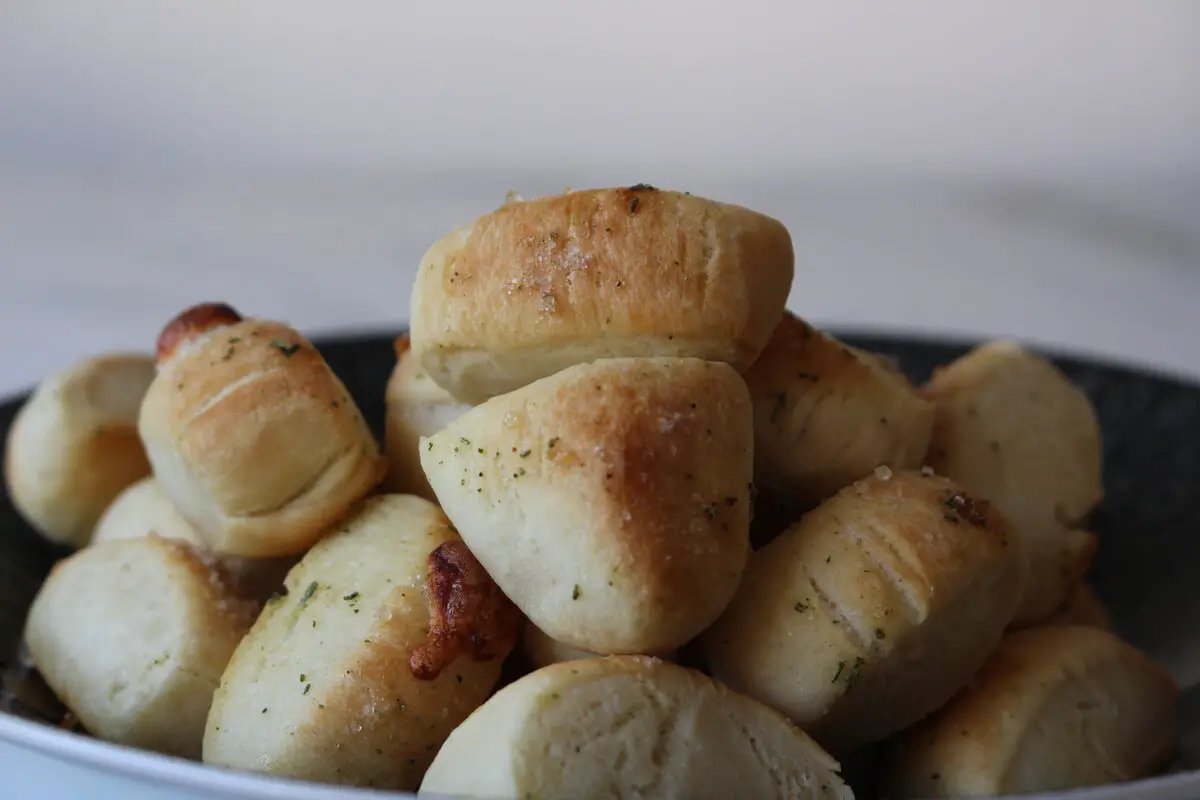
{"x":1027,"y":169}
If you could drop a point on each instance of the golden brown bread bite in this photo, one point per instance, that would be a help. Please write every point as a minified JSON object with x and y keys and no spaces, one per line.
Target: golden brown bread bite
{"x":610,"y":501}
{"x":541,"y":651}
{"x":537,"y":286}
{"x":251,"y":435}
{"x":74,"y":445}
{"x":629,"y":726}
{"x":143,"y":510}
{"x":872,"y":610}
{"x":1010,"y":427}
{"x":826,"y":414}
{"x":1083,"y":607}
{"x":133,"y":635}
{"x":416,"y":407}
{"x":1054,"y":708}
{"x":389,"y":635}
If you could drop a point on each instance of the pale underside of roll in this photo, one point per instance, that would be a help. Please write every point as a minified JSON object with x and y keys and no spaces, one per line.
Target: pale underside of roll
{"x":629,"y":726}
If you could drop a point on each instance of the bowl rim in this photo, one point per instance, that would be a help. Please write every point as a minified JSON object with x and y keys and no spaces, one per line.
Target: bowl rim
{"x":150,"y":768}
{"x":165,"y":772}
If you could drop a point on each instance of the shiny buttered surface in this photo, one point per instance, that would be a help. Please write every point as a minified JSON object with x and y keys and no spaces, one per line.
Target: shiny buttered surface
{"x":593,"y":389}
{"x":540,"y":285}
{"x":385,"y":636}
{"x":873,"y":610}
{"x":252,"y":436}
{"x":610,"y":501}
{"x":629,"y":726}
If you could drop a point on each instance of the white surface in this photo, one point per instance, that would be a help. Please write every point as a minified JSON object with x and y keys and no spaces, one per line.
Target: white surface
{"x":97,"y":262}
{"x":1024,"y":88}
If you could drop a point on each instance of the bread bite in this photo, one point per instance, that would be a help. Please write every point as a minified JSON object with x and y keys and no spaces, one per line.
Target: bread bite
{"x":144,"y":510}
{"x":387,"y":635}
{"x":132,"y":636}
{"x":1055,"y":708}
{"x":540,"y":285}
{"x":541,"y":651}
{"x":610,"y":501}
{"x":416,"y":407}
{"x":1010,"y":427}
{"x":251,"y":435}
{"x":826,"y":414}
{"x":74,"y":445}
{"x":1083,"y":607}
{"x":872,"y":610}
{"x":629,"y":726}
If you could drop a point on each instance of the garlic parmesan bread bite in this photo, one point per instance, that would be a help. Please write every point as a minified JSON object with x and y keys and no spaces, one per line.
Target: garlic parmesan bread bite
{"x":537,"y":286}
{"x":1011,"y":428}
{"x":387,"y":635}
{"x":74,"y":445}
{"x":132,"y":636}
{"x":252,"y":436}
{"x":629,"y":726}
{"x":872,"y":610}
{"x":540,"y":650}
{"x":143,"y":510}
{"x":610,"y":501}
{"x":416,"y":407}
{"x":826,"y":414}
{"x":1083,"y":607}
{"x":1055,"y":708}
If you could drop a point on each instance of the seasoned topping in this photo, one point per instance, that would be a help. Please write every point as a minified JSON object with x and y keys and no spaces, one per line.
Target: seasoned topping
{"x":467,"y":613}
{"x":961,"y":505}
{"x":402,"y":345}
{"x":287,"y":348}
{"x":193,"y":322}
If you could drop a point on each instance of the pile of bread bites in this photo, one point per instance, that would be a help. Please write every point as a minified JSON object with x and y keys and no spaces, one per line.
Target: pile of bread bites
{"x":595,"y":389}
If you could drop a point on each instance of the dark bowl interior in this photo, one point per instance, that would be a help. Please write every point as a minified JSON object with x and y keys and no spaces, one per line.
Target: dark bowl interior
{"x":1148,"y":526}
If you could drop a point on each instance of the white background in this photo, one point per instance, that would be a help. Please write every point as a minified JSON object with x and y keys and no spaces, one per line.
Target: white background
{"x":1028,"y":169}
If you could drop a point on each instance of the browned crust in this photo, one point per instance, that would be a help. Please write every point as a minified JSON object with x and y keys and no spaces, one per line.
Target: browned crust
{"x":655,"y":455}
{"x":467,"y":613}
{"x":617,"y":262}
{"x":193,"y":322}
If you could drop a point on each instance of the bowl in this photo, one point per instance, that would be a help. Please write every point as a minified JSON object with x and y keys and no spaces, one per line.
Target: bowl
{"x":1148,"y":527}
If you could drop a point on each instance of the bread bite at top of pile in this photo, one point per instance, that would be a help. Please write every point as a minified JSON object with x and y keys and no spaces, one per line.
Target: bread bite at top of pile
{"x":594,"y":391}
{"x":540,"y":285}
